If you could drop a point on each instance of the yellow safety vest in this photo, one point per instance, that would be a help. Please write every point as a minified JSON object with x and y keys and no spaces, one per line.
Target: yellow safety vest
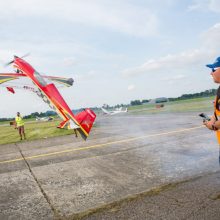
{"x":217,"y":115}
{"x":19,"y":121}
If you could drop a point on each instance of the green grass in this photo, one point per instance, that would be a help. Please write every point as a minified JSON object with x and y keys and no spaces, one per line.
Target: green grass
{"x":189,"y":105}
{"x":37,"y":130}
{"x":34,"y":130}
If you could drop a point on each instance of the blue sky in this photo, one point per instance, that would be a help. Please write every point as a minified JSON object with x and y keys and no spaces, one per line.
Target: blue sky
{"x":115,"y":50}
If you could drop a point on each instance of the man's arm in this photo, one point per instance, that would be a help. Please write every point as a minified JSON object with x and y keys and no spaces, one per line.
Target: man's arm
{"x":216,"y":124}
{"x":15,"y":124}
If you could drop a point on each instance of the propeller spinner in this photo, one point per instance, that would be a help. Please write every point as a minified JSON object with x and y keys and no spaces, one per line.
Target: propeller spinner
{"x":15,"y":57}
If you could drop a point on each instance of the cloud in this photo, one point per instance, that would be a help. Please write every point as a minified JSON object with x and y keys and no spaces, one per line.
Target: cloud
{"x":198,"y":5}
{"x":69,"y":61}
{"x":214,"y":5}
{"x":186,"y":60}
{"x":87,"y":76}
{"x":175,"y":77}
{"x":211,"y":37}
{"x":131,"y":87}
{"x":119,"y":16}
{"x":193,"y":7}
{"x":175,"y":61}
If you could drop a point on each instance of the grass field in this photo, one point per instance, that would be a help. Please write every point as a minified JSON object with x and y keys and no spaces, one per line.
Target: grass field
{"x":34,"y":130}
{"x":189,"y":105}
{"x":37,"y":130}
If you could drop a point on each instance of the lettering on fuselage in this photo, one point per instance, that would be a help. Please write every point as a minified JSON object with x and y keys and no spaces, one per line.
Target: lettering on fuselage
{"x":45,"y":99}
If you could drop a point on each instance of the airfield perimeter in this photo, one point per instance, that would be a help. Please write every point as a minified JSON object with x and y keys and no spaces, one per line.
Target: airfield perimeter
{"x":133,"y":166}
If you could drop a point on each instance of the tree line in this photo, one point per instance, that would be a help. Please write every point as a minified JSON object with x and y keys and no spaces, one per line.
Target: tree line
{"x":206,"y":93}
{"x":33,"y":115}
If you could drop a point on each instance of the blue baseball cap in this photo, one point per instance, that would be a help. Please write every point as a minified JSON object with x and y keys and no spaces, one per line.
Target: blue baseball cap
{"x":215,"y":64}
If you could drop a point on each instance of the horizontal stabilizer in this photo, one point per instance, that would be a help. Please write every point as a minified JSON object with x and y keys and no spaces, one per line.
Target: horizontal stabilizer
{"x":10,"y":89}
{"x":64,"y":81}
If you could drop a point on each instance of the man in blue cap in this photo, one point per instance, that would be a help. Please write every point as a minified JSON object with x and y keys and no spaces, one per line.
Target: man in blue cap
{"x":214,"y":123}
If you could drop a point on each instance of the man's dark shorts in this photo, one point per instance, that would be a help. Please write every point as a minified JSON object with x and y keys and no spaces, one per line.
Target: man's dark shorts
{"x":21,"y":129}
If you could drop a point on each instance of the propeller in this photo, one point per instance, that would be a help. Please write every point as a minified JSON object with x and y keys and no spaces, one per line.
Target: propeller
{"x":15,"y":57}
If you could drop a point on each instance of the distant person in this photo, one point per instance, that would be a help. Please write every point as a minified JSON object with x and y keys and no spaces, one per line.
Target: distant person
{"x":214,"y":122}
{"x":19,"y":124}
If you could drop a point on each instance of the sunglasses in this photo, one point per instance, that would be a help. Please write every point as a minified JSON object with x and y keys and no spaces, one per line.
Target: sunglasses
{"x":213,"y":69}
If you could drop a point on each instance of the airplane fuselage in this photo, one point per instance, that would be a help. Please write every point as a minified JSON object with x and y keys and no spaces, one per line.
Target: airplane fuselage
{"x":48,"y":92}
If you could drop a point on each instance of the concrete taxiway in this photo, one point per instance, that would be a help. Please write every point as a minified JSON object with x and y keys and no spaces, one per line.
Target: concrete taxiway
{"x":125,"y":158}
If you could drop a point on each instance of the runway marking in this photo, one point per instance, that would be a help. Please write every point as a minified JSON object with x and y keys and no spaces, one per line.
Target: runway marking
{"x":100,"y":145}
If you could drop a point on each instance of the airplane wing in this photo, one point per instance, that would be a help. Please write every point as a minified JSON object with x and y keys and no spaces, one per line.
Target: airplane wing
{"x":21,"y":81}
{"x":4,"y":77}
{"x":61,"y":80}
{"x":105,"y":111}
{"x":14,"y":81}
{"x":7,"y":77}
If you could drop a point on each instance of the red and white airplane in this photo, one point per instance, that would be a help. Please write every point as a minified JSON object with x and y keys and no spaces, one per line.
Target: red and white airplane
{"x":44,"y":87}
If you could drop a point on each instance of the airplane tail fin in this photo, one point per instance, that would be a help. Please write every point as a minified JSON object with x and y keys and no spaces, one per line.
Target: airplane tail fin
{"x":86,"y":119}
{"x":105,"y":111}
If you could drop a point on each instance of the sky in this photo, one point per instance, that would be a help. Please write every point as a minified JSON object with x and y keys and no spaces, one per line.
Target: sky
{"x":115,"y":50}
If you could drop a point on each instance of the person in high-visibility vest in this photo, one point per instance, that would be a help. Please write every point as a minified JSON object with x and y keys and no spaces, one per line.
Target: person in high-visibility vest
{"x":19,"y":124}
{"x":214,"y":123}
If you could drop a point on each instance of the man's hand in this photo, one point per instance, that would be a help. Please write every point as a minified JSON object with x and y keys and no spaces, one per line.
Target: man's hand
{"x":209,"y":124}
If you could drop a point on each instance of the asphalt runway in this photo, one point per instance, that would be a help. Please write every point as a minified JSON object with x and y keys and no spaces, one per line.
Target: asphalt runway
{"x":125,"y":155}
